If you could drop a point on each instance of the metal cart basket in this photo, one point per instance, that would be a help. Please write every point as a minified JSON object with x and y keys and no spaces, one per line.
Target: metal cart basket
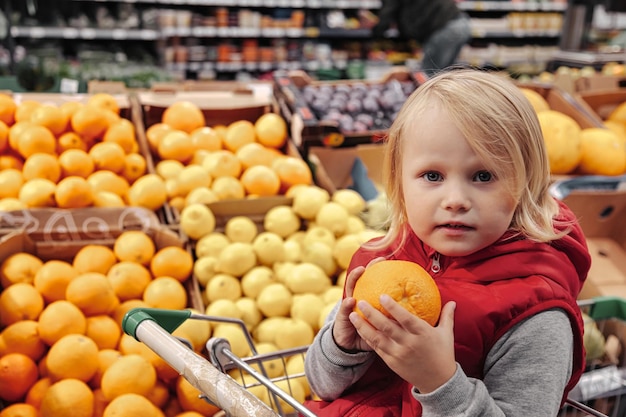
{"x":211,"y":376}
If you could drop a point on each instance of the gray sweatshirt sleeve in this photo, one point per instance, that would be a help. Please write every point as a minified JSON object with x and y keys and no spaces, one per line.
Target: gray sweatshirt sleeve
{"x":525,"y":372}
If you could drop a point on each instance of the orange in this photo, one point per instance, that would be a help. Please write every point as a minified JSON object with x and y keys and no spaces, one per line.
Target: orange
{"x":131,"y":405}
{"x":94,"y":258}
{"x":206,"y":138}
{"x":537,"y":101}
{"x":11,"y":181}
{"x":35,"y":139}
{"x":10,"y":162}
{"x":406,"y":282}
{"x":603,"y":152}
{"x":76,"y":162}
{"x":70,"y":140}
{"x":135,"y":166}
{"x":106,"y":357}
{"x":23,"y":337}
{"x":222,"y":163}
{"x":172,"y":261}
{"x":190,"y":178}
{"x":69,"y":108}
{"x":15,"y":131}
{"x":58,"y":319}
{"x":105,"y":180}
{"x":121,"y":132}
{"x":73,"y":356}
{"x":260,"y":180}
{"x":52,"y":279}
{"x":190,"y":400}
{"x":42,"y":165}
{"x":271,"y":130}
{"x":183,"y":115}
{"x":38,"y":192}
{"x":226,"y":188}
{"x":154,"y":134}
{"x":37,"y":391}
{"x":68,"y":397}
{"x":108,"y":155}
{"x":20,"y":301}
{"x":176,"y":145}
{"x":292,"y":171}
{"x":239,"y":133}
{"x":134,"y":246}
{"x":160,"y":394}
{"x":18,"y":373}
{"x":7,"y":109}
{"x":92,"y":293}
{"x":19,"y":267}
{"x":165,"y":292}
{"x":89,"y":122}
{"x":51,"y":117}
{"x":107,"y":199}
{"x":129,"y":279}
{"x":4,"y":136}
{"x":19,"y":410}
{"x":105,"y":101}
{"x":25,"y":109}
{"x":561,"y":134}
{"x":129,"y":345}
{"x":255,"y":154}
{"x":100,"y":403}
{"x":125,"y":307}
{"x":73,"y":192}
{"x":148,"y":191}
{"x":129,"y":374}
{"x":104,"y":331}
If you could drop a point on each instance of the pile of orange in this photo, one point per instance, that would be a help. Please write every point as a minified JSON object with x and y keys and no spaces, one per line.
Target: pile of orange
{"x":57,"y":148}
{"x":238,"y":160}
{"x":62,"y":349}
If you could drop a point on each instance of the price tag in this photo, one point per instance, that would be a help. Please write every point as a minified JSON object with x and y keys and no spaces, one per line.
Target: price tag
{"x":69,"y":86}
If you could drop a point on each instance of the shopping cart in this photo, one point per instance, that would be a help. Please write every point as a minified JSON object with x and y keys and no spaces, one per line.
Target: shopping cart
{"x":211,"y":377}
{"x":153,"y":327}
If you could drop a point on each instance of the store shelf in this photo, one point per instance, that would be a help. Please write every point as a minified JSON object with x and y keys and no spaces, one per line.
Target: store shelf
{"x":335,"y":4}
{"x":42,"y":32}
{"x":527,"y":6}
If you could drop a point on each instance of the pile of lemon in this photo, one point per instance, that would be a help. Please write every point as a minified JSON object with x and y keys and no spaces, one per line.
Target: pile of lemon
{"x":575,"y":150}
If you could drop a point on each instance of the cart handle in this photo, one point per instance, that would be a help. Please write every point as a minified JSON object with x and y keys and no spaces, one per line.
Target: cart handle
{"x":220,"y":389}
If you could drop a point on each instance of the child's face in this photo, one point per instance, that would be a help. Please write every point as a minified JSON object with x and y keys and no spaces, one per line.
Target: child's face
{"x":453,"y":202}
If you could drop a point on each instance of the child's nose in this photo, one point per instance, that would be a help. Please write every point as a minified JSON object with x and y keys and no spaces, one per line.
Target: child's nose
{"x":456,"y":198}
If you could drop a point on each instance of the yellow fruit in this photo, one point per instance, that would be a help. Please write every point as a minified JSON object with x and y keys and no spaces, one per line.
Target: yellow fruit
{"x":42,"y":165}
{"x":603,"y":152}
{"x":275,"y":300}
{"x":281,"y":220}
{"x":21,"y":267}
{"x":350,"y":199}
{"x":68,"y":397}
{"x":192,"y":177}
{"x":130,"y":405}
{"x":308,"y":201}
{"x":227,"y":188}
{"x":295,"y":370}
{"x":73,"y":356}
{"x":129,"y":374}
{"x":73,"y":192}
{"x":184,"y":115}
{"x":105,"y":180}
{"x":222,"y":163}
{"x":7,"y":109}
{"x":238,"y":134}
{"x":36,"y":139}
{"x":406,"y":282}
{"x":562,"y":137}
{"x":129,"y":279}
{"x":105,"y":101}
{"x":20,"y":301}
{"x":176,"y":145}
{"x":268,"y":248}
{"x":165,"y":292}
{"x":93,"y":293}
{"x":23,"y":337}
{"x":206,"y":138}
{"x":236,"y":259}
{"x":211,"y":244}
{"x":260,"y":180}
{"x":154,"y":133}
{"x":121,"y":132}
{"x":51,"y":117}
{"x":255,"y":280}
{"x":224,"y":307}
{"x":135,"y":166}
{"x":76,"y":162}
{"x":256,"y":154}
{"x":94,"y":258}
{"x":234,"y":334}
{"x":59,"y":319}
{"x":241,"y":229}
{"x":196,"y":221}
{"x":104,"y":331}
{"x":37,"y":193}
{"x":108,"y":155}
{"x":52,"y":279}
{"x":538,"y":102}
{"x":271,"y":130}
{"x":308,"y":277}
{"x":202,"y":195}
{"x":190,"y":400}
{"x":172,"y":261}
{"x":195,"y":331}
{"x":223,"y":286}
{"x":307,"y":307}
{"x":89,"y":122}
{"x":134,"y":246}
{"x":169,"y":168}
{"x":148,"y":191}
{"x":292,"y":172}
{"x":11,"y":181}
{"x":618,"y":114}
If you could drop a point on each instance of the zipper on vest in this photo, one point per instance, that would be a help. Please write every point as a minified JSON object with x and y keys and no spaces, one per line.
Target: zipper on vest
{"x":435,"y":266}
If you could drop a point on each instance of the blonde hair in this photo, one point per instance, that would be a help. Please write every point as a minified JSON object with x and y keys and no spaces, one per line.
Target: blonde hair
{"x":501,"y":126}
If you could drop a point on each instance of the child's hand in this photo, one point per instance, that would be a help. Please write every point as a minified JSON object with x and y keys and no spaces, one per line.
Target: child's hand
{"x":344,"y":333}
{"x":419,"y":353}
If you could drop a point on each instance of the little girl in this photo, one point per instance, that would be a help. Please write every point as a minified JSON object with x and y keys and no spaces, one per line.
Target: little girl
{"x":467,"y":180}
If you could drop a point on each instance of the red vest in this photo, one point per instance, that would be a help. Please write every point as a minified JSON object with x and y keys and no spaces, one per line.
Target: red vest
{"x":494,"y":289}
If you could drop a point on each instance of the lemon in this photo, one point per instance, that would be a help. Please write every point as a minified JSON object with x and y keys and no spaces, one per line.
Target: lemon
{"x":236,"y":259}
{"x":281,"y":220}
{"x":269,"y":248}
{"x":561,"y":134}
{"x":350,"y":200}
{"x":224,"y":307}
{"x":223,"y":286}
{"x":250,"y":313}
{"x":308,"y":200}
{"x":307,"y":307}
{"x":603,"y":152}
{"x":294,"y":333}
{"x":275,"y":300}
{"x":204,"y":269}
{"x":241,"y":229}
{"x":307,"y":277}
{"x":256,"y":279}
{"x":211,"y":244}
{"x":321,"y":255}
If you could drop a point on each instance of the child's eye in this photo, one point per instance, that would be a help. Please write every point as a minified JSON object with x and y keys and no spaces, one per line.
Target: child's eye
{"x":483,"y":176}
{"x":432,"y":176}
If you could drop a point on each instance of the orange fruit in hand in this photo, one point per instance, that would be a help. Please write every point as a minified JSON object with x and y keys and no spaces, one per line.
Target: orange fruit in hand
{"x":406,"y":282}
{"x":18,"y":373}
{"x":184,"y":115}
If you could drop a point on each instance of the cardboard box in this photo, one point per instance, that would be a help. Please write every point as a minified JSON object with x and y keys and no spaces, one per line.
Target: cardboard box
{"x":602,"y":102}
{"x":306,"y":129}
{"x":601,"y":212}
{"x":61,"y":233}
